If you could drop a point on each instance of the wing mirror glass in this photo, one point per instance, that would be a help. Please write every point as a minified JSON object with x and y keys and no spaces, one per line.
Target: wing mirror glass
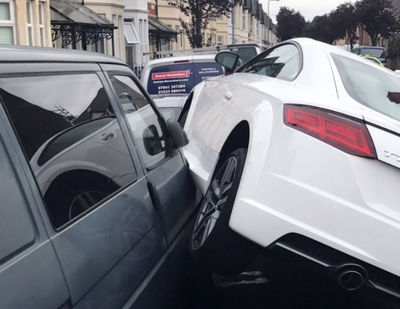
{"x":228,"y":60}
{"x":177,"y":134}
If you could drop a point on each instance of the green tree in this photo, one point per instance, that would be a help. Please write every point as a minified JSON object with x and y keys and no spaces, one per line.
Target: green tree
{"x":323,"y":28}
{"x":199,"y":13}
{"x":346,"y":19}
{"x":378,"y":18}
{"x":394,"y":46}
{"x":290,"y":24}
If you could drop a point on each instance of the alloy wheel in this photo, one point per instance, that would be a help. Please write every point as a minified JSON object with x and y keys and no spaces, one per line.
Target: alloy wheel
{"x":214,"y":201}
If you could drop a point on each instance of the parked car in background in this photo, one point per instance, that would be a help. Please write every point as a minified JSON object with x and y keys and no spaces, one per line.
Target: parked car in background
{"x":374,"y":51}
{"x":94,"y":188}
{"x":245,"y":51}
{"x":170,"y":80}
{"x":298,"y":152}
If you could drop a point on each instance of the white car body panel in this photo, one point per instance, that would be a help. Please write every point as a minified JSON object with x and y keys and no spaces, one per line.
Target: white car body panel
{"x":388,"y":149}
{"x":289,"y":184}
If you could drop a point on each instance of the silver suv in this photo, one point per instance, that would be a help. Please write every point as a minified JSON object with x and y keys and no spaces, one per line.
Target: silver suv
{"x":94,"y":189}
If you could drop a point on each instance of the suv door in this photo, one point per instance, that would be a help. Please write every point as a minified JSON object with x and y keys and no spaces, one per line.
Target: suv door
{"x":169,"y":181}
{"x":26,"y":254}
{"x":99,"y":215}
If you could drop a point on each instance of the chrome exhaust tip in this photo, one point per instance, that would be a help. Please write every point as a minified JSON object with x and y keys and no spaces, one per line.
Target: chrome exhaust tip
{"x":351,"y":277}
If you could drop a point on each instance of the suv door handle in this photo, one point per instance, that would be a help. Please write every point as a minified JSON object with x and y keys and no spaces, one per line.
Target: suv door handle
{"x":106,"y":137}
{"x":228,"y":95}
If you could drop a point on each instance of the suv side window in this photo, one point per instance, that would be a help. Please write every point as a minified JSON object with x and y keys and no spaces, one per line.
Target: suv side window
{"x":71,"y":138}
{"x":142,"y":119}
{"x":282,"y":62}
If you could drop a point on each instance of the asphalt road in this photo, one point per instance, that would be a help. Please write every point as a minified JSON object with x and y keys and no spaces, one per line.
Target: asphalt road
{"x":271,"y":284}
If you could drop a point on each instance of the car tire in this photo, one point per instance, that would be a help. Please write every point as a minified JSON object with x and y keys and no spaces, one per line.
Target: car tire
{"x":220,"y":249}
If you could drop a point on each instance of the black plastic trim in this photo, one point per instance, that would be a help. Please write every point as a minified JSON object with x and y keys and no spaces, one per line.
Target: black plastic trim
{"x":329,"y":260}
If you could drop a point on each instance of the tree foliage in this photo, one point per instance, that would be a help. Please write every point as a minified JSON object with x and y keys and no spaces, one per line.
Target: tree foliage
{"x":378,"y":18}
{"x":199,"y":13}
{"x":394,"y":46}
{"x":346,"y":19}
{"x":323,"y":28}
{"x":290,"y":24}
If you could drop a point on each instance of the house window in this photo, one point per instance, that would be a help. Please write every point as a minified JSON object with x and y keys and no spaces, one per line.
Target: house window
{"x":7,"y":22}
{"x":245,"y":20}
{"x":42,"y":22}
{"x":29,"y":23}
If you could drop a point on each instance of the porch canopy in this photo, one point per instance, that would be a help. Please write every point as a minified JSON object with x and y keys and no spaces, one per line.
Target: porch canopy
{"x":73,"y":22}
{"x":159,"y":32}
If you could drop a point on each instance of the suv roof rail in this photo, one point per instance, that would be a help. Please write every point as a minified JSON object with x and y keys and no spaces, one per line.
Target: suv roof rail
{"x":186,"y":51}
{"x":202,"y":50}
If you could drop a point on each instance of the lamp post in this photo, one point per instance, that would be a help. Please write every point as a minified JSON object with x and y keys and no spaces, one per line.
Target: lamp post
{"x":268,"y":38}
{"x":233,"y":21}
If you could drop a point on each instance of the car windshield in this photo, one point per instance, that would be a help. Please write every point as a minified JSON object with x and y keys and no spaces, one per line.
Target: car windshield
{"x":374,"y":52}
{"x":177,"y":79}
{"x":370,"y":85}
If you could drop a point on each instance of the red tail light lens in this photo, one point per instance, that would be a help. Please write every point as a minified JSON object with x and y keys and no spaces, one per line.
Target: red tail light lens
{"x":345,"y":133}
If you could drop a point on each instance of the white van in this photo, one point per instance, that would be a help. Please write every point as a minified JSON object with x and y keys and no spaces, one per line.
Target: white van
{"x":170,"y":80}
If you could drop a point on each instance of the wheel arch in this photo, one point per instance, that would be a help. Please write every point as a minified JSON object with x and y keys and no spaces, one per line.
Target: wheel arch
{"x":239,"y":137}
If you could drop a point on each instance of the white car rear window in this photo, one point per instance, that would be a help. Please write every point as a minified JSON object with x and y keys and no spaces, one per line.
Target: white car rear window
{"x":371,"y":86}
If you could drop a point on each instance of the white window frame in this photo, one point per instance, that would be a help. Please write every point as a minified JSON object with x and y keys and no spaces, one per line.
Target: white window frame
{"x":29,"y":25}
{"x":131,"y":27}
{"x":10,"y":23}
{"x":245,"y":20}
{"x":42,"y":23}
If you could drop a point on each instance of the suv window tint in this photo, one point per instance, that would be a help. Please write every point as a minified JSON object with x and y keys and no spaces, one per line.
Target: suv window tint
{"x":180,"y":78}
{"x":370,"y":85}
{"x":282,"y":62}
{"x":142,"y":120}
{"x":71,"y":138}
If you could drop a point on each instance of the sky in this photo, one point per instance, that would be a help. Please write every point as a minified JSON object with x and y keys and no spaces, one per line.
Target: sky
{"x":308,"y":8}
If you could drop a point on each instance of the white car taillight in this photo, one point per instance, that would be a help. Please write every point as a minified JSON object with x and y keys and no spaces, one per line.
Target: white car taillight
{"x":340,"y":131}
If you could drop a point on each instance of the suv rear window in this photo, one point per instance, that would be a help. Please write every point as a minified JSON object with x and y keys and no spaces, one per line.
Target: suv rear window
{"x":180,"y":78}
{"x":370,"y":85}
{"x":374,"y":52}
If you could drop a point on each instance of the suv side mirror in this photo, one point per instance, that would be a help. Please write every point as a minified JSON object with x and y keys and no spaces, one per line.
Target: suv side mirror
{"x":179,"y":136}
{"x":228,"y":60}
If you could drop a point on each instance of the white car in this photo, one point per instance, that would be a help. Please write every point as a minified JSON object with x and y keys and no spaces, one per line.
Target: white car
{"x":300,"y":152}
